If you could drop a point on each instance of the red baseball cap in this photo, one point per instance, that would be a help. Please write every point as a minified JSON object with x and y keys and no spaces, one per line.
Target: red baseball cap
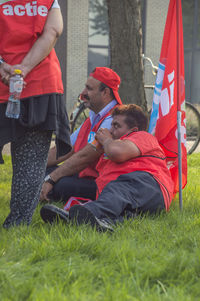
{"x":109,"y":78}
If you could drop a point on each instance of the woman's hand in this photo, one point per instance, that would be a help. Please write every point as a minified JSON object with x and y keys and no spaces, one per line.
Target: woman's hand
{"x":6,"y":71}
{"x":22,"y":68}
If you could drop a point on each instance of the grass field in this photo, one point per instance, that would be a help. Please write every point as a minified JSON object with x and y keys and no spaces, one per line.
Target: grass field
{"x":151,"y":258}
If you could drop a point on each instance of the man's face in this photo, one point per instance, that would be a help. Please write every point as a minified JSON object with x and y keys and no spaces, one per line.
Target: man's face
{"x":92,"y":96}
{"x":119,"y":127}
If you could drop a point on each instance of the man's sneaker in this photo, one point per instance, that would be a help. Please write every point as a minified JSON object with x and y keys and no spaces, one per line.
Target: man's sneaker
{"x":81,"y":215}
{"x":50,"y":214}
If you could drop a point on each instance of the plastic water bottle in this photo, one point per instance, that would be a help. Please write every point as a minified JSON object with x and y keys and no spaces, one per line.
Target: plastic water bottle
{"x":15,"y":89}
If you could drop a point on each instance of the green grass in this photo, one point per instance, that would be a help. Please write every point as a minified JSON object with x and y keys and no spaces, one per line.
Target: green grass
{"x":151,"y":258}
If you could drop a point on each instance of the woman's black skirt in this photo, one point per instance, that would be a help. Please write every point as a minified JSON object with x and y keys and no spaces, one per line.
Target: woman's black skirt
{"x":46,"y":112}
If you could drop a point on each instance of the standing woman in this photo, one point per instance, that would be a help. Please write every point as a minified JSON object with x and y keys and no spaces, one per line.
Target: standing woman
{"x":28,"y":31}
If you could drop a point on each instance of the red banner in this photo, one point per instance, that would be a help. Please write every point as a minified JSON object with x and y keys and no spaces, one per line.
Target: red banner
{"x":169,"y":95}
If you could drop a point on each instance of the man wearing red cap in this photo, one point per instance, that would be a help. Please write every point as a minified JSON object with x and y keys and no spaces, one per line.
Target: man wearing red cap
{"x":76,"y":176}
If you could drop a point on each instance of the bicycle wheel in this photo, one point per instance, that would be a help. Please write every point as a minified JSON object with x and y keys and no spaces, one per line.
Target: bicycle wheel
{"x":192,"y":127}
{"x":81,"y":114}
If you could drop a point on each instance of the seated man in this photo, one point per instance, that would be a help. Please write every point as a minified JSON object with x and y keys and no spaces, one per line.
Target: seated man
{"x":76,"y":176}
{"x":133,"y":175}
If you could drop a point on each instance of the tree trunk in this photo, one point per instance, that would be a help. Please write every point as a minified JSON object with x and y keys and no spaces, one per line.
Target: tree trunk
{"x":126,"y":49}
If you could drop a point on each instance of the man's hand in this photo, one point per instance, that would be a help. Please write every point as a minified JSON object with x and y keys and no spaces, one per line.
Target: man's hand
{"x":46,"y":188}
{"x":102,"y":135}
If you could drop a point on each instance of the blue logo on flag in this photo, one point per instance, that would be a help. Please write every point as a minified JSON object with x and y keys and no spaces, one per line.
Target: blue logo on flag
{"x":156,"y":98}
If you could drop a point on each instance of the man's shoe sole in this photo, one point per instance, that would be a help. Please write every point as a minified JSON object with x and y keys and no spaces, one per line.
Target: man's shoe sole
{"x":81,"y":215}
{"x":51,"y":214}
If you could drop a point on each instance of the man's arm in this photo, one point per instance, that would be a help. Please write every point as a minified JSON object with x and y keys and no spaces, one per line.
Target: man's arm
{"x":76,"y":163}
{"x":118,"y":151}
{"x":52,"y":160}
{"x":73,"y":165}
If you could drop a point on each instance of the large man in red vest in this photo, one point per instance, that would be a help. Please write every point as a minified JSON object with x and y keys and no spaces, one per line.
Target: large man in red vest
{"x":76,"y":176}
{"x":133,"y":175}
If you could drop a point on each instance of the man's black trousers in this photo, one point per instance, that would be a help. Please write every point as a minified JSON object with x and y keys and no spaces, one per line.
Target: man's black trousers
{"x":133,"y":193}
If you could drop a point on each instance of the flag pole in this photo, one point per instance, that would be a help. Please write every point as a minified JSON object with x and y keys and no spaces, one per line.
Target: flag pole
{"x":179,"y":106}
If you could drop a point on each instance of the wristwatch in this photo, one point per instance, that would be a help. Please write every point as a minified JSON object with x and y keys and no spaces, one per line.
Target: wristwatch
{"x":49,"y":180}
{"x":1,"y":61}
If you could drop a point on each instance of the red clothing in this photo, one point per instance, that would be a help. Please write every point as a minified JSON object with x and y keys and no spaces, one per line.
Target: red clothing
{"x":82,"y":140}
{"x":152,"y":160}
{"x":21,"y":23}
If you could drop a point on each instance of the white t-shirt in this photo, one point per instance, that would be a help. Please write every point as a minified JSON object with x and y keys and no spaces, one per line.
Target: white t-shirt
{"x":55,"y":4}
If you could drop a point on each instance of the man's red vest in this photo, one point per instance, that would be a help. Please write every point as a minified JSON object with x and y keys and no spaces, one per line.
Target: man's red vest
{"x":82,"y":140}
{"x":151,"y":160}
{"x":21,"y":23}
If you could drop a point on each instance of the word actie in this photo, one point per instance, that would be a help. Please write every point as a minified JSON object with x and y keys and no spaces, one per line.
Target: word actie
{"x":30,"y":9}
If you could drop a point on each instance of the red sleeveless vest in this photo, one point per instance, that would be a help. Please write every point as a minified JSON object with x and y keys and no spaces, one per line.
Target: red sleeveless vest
{"x":151,"y":160}
{"x":21,"y":23}
{"x":82,"y":140}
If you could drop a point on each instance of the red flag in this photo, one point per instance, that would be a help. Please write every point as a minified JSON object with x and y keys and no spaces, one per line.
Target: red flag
{"x":163,"y":122}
